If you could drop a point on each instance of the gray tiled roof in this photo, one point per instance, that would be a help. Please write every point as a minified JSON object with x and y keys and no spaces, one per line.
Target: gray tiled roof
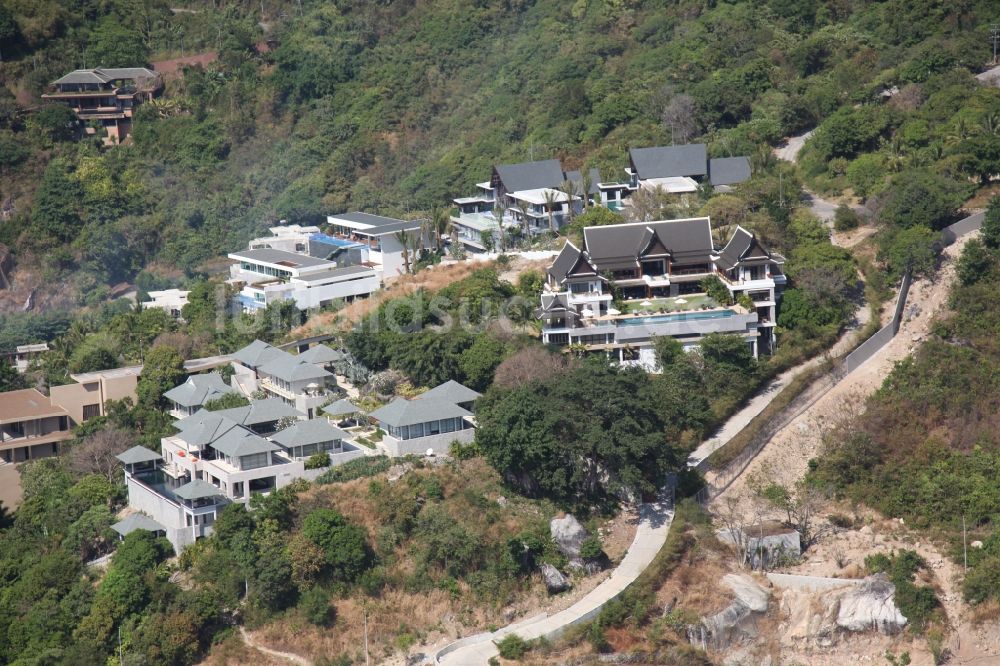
{"x":689,"y":239}
{"x":262,"y":411}
{"x":321,"y":354}
{"x":138,"y":454}
{"x":401,"y":412}
{"x":293,"y":369}
{"x":199,"y":389}
{"x":335,"y":273}
{"x":729,"y":170}
{"x":204,"y":427}
{"x":303,"y":433}
{"x":670,"y":161}
{"x":197,"y":489}
{"x":214,"y":424}
{"x":531,"y":175}
{"x":137,"y":521}
{"x":257,"y":353}
{"x":576,"y":178}
{"x":451,"y":391}
{"x":241,"y":442}
{"x":104,"y":75}
{"x":341,"y":408}
{"x":735,"y":249}
{"x":564,"y":261}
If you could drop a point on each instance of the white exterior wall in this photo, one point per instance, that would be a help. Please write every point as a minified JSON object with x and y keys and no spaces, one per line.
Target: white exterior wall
{"x":391,"y":257}
{"x":439,"y":444}
{"x":167,"y":513}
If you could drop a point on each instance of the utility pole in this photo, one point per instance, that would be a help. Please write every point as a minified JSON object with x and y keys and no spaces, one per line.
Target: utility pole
{"x":965,"y":548}
{"x":995,"y":39}
{"x":365,"y":612}
{"x":121,"y":657}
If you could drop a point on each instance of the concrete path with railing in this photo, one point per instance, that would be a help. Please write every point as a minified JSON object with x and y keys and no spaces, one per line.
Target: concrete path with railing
{"x":654,"y":524}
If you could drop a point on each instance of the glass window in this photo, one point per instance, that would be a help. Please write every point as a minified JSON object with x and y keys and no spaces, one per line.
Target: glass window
{"x":416,"y":430}
{"x":254,"y":461}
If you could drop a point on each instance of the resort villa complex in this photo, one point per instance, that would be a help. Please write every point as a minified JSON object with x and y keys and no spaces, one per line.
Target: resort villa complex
{"x":315,"y":269}
{"x":296,"y":410}
{"x":631,"y":283}
{"x":540,"y":196}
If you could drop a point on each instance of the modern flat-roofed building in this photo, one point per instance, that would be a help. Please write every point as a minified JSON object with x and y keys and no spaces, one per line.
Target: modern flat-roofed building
{"x":171,"y":301}
{"x":378,"y":234}
{"x":267,"y":275}
{"x":657,"y":268}
{"x":107,"y":96}
{"x":25,"y":354}
{"x":31,"y":426}
{"x":88,"y":396}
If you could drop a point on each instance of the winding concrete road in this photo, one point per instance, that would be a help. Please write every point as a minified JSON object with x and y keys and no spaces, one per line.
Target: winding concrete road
{"x":654,"y":523}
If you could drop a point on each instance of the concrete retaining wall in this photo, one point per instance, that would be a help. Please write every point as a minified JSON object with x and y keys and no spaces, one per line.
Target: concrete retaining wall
{"x":810,"y":583}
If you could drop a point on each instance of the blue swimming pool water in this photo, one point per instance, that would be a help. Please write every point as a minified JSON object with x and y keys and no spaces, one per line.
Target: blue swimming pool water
{"x":680,"y":316}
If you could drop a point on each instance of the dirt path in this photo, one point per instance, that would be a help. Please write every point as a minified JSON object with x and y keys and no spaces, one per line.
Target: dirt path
{"x":288,"y":656}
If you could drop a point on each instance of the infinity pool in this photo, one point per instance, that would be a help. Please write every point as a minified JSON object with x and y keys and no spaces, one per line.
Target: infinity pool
{"x":680,"y":316}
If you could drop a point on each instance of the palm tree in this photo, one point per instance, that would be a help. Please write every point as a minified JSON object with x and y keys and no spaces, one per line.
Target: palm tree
{"x":522,"y":206}
{"x":990,"y":124}
{"x":499,"y":211}
{"x":569,"y":189}
{"x":587,"y":183}
{"x":441,"y":222}
{"x":404,"y":240}
{"x":551,"y":198}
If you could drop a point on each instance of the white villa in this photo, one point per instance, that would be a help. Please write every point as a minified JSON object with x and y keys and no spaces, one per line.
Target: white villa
{"x":657,"y":269}
{"x":302,"y":381}
{"x":221,"y":457}
{"x":540,"y":189}
{"x":429,"y":423}
{"x":190,"y":396}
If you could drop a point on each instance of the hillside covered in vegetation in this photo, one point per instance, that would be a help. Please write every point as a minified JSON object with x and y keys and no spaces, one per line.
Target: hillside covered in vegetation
{"x":398,"y":107}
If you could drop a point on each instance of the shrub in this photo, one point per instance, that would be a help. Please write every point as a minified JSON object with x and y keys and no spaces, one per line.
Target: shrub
{"x":358,"y":468}
{"x":318,"y":461}
{"x":512,"y":646}
{"x":315,"y":606}
{"x":846,"y":218}
{"x":591,"y":549}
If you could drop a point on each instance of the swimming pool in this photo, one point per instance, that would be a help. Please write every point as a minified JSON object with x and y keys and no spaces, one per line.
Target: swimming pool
{"x":680,"y":316}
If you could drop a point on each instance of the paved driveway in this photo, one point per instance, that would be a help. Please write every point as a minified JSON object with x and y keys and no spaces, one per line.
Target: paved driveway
{"x":654,"y":523}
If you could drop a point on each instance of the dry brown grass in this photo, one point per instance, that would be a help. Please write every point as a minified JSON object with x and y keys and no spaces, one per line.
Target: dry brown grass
{"x":432,"y":279}
{"x":988,"y":611}
{"x":233,"y":652}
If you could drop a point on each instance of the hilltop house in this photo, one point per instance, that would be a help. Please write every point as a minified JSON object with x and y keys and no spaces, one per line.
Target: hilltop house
{"x":31,"y":426}
{"x":107,"y":96}
{"x":681,"y":169}
{"x":379,"y":235}
{"x":87,"y":397}
{"x":171,"y":301}
{"x":25,"y":354}
{"x":630,"y":283}
{"x":315,"y":269}
{"x":429,"y":423}
{"x":302,"y":381}
{"x":221,"y":457}
{"x":192,"y":395}
{"x":539,"y":188}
